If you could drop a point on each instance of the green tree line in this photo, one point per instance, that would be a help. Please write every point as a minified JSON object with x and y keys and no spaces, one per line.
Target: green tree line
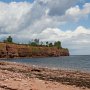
{"x":36,"y":42}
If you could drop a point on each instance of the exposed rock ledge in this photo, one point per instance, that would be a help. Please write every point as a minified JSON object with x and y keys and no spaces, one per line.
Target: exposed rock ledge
{"x":14,"y":50}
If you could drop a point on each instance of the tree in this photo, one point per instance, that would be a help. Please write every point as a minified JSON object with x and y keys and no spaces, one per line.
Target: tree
{"x":33,"y":44}
{"x":36,"y":41}
{"x":9,"y":39}
{"x":58,"y":44}
{"x":50,"y":44}
{"x":47,"y":43}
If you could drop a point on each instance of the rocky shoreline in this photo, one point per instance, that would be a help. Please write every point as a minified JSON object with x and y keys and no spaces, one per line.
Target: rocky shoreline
{"x":16,"y":76}
{"x":8,"y":50}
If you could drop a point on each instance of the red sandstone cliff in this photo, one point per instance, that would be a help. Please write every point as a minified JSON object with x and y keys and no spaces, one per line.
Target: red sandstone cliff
{"x":14,"y":50}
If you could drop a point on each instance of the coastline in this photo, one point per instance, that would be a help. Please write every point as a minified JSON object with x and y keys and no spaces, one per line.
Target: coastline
{"x":11,"y":50}
{"x":16,"y":76}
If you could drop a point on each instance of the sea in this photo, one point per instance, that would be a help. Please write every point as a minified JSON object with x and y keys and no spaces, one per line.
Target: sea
{"x":73,"y":62}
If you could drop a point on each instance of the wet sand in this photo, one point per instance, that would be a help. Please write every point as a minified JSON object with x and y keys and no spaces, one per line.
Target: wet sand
{"x":16,"y":76}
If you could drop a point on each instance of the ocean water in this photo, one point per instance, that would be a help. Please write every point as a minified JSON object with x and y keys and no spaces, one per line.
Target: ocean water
{"x":77,"y":62}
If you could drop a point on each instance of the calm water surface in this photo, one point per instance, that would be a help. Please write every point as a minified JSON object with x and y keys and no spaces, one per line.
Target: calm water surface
{"x":64,"y":62}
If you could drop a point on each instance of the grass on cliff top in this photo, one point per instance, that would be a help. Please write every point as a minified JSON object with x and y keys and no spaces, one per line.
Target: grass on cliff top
{"x":32,"y":48}
{"x":2,"y":46}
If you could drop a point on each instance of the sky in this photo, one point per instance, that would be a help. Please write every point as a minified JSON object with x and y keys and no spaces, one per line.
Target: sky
{"x":67,"y":21}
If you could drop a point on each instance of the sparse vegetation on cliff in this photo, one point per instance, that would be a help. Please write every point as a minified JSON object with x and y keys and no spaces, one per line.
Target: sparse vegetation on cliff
{"x":8,"y":40}
{"x":36,"y":42}
{"x":9,"y":49}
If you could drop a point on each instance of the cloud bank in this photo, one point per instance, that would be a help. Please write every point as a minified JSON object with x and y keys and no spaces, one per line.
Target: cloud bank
{"x":41,"y":19}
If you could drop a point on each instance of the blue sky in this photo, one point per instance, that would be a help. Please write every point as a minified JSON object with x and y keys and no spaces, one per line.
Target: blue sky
{"x":72,"y":25}
{"x":82,"y":22}
{"x":48,"y":20}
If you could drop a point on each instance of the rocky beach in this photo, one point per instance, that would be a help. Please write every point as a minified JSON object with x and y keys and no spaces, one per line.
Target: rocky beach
{"x":44,"y":44}
{"x":17,"y":76}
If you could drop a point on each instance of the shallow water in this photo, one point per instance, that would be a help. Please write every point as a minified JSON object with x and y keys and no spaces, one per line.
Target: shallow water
{"x":79,"y":62}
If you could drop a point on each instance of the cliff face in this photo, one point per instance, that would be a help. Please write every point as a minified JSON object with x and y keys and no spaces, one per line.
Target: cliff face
{"x":14,"y":50}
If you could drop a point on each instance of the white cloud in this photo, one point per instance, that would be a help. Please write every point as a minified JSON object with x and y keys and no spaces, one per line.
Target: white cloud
{"x":57,"y":7}
{"x":77,"y":13}
{"x":24,"y":21}
{"x":12,"y":16}
{"x":18,"y":17}
{"x":63,"y":35}
{"x":73,"y":11}
{"x":76,"y":40}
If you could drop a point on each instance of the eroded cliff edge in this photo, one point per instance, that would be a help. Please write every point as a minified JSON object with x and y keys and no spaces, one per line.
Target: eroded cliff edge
{"x":15,"y":51}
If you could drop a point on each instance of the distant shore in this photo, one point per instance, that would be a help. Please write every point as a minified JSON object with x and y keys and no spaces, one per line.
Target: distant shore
{"x":16,"y":76}
{"x":11,"y":50}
